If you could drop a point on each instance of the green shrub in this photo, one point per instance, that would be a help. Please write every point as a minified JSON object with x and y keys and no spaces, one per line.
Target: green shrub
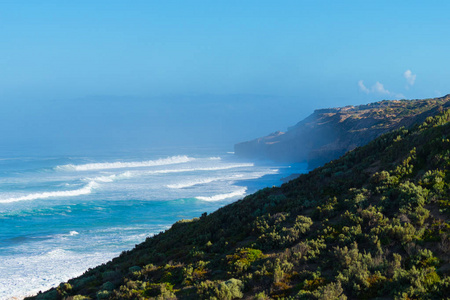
{"x":102,"y":295}
{"x":80,"y":297}
{"x":109,"y":286}
{"x":243,"y":258}
{"x":134,"y":269}
{"x":230,"y":289}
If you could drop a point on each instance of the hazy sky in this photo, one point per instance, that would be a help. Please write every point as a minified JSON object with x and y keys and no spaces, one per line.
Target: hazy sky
{"x":306,"y":54}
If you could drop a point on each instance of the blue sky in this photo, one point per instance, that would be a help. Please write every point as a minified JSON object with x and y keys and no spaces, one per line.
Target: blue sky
{"x":306,"y":54}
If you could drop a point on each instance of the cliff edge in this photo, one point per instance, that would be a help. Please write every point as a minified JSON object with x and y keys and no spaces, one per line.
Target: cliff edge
{"x":329,"y":133}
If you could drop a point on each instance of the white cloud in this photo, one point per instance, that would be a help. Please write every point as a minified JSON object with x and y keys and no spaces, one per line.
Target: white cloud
{"x":363,"y":87}
{"x":410,"y":78}
{"x":378,"y":88}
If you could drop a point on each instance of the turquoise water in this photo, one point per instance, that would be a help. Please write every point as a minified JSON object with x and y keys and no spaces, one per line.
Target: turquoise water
{"x":61,"y":215}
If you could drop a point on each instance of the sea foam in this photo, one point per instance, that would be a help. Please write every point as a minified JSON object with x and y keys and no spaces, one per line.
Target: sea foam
{"x":186,"y":184}
{"x":94,"y":182}
{"x":226,"y":167}
{"x":41,"y":271}
{"x":252,"y":175}
{"x":240,"y":192}
{"x":120,"y":165}
{"x":111,"y":178}
{"x":48,"y":257}
{"x":85,"y":190}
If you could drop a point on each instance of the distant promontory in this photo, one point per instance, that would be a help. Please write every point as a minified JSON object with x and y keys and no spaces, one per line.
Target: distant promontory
{"x":329,"y":133}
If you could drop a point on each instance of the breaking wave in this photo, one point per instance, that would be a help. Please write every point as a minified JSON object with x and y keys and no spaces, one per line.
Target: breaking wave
{"x":87,"y":189}
{"x":240,"y":192}
{"x":232,"y":166}
{"x":94,"y":182}
{"x":119,"y":165}
{"x":215,"y":158}
{"x":111,"y":178}
{"x":202,"y":181}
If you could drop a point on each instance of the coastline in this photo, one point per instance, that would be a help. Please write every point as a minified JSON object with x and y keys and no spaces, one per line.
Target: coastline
{"x":62,"y":246}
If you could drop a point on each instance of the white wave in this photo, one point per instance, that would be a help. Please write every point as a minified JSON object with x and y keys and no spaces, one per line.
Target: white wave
{"x":253,"y":175}
{"x":256,"y":175}
{"x":226,"y":167}
{"x":240,"y":192}
{"x":94,"y":182}
{"x":119,"y":165}
{"x":26,"y":275}
{"x":111,"y":178}
{"x":202,"y":181}
{"x":87,"y":189}
{"x":73,"y":232}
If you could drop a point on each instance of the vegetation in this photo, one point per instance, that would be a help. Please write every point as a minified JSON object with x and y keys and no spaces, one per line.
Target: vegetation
{"x":329,"y":133}
{"x":374,"y":223}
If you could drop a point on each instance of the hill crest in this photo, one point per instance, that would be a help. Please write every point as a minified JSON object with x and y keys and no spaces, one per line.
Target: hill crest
{"x":329,"y":133}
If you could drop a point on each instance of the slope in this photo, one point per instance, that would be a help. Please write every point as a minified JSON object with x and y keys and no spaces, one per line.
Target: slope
{"x":329,"y":133}
{"x":374,"y":223}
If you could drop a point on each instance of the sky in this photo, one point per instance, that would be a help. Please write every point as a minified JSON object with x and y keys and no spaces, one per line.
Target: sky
{"x":224,"y":71}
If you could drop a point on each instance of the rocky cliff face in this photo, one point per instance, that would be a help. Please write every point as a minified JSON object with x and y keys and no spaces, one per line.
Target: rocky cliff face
{"x":329,"y":133}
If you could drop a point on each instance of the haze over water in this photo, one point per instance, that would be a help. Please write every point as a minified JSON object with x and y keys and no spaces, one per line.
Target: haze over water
{"x":118,"y":119}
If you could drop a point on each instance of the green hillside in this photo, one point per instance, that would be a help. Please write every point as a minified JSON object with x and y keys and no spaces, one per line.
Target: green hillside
{"x":374,"y":223}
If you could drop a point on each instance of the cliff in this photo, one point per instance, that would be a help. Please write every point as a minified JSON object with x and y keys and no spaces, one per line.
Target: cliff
{"x":329,"y":133}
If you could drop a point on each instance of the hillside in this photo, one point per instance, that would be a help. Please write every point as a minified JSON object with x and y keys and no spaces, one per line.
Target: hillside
{"x":374,"y":223}
{"x":329,"y":133}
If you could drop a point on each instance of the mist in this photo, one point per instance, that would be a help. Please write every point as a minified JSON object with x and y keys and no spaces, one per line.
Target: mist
{"x":77,"y":77}
{"x":108,"y":123}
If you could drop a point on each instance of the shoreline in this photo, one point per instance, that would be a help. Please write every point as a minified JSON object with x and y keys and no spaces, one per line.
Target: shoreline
{"x":135,"y":208}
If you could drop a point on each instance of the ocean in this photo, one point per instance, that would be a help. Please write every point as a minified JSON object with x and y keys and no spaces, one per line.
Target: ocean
{"x":63,"y":214}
